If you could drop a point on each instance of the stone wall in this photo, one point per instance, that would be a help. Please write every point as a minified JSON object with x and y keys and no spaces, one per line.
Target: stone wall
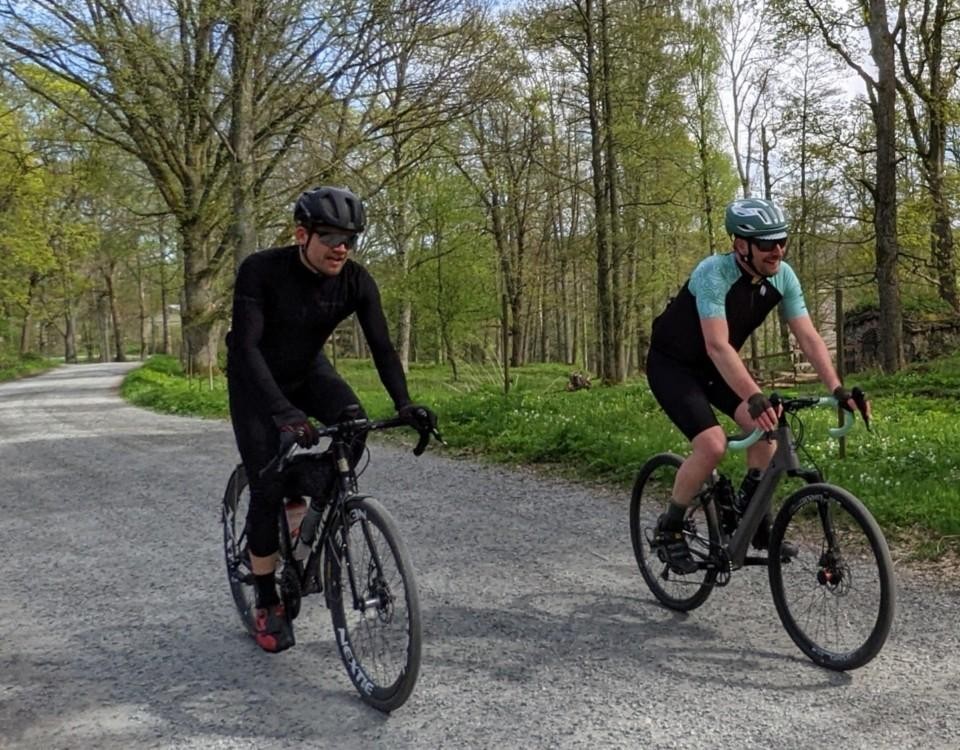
{"x":922,"y":339}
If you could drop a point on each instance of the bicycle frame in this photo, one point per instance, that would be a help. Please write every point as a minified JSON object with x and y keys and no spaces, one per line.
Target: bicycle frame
{"x":346,"y":489}
{"x":783,"y":462}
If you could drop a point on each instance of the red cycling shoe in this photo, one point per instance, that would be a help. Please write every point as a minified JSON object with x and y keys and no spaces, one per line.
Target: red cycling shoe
{"x":273,"y":631}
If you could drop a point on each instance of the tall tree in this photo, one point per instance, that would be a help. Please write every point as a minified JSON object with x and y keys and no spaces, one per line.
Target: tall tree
{"x":159,"y":77}
{"x":839,"y":29}
{"x":929,"y":65}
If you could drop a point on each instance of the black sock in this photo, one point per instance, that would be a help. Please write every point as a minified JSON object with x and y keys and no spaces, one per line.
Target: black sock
{"x":675,"y":516}
{"x":266,"y":590}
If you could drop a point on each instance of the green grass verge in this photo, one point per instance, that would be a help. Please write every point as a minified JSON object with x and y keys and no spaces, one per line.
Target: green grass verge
{"x":13,"y":367}
{"x":907,"y":470}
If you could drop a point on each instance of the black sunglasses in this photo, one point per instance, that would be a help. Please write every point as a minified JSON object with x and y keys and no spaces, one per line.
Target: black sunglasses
{"x":768,"y":246}
{"x":335,"y":239}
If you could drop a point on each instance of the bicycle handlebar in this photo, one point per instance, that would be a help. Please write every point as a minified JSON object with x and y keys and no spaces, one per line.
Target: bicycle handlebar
{"x":792,"y":405}
{"x":288,"y":441}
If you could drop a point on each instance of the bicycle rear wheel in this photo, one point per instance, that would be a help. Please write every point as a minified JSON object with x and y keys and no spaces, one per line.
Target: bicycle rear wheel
{"x":374,"y":605}
{"x":836,"y":598}
{"x":651,"y":491}
{"x":236,"y":502}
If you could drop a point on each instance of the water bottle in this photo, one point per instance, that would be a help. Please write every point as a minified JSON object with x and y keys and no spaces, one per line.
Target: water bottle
{"x":725,"y":498}
{"x":308,"y":529}
{"x":747,"y":487}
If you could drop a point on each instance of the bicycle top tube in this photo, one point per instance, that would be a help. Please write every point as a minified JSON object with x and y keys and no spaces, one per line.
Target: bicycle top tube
{"x":791,"y":405}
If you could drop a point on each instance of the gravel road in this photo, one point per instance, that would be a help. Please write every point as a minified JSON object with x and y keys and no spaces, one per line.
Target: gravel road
{"x":118,"y":630}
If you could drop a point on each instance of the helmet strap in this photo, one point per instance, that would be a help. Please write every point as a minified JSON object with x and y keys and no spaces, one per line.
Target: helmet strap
{"x":747,"y":259}
{"x":303,"y":253}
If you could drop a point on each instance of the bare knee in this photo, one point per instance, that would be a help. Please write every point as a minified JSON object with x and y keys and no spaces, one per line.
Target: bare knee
{"x":709,"y":446}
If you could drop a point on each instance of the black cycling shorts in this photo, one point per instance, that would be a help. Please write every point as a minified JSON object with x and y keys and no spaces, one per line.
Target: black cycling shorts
{"x":686,"y":393}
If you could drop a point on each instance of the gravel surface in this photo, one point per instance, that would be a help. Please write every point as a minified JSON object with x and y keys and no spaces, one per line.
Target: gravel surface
{"x":119,"y":629}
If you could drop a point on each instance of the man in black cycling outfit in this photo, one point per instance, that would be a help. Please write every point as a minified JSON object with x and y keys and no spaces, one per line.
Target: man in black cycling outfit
{"x":694,"y":360}
{"x":286,"y":303}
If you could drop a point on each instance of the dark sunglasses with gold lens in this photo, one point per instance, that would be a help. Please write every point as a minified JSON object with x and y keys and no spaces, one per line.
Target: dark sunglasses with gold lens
{"x":335,"y":239}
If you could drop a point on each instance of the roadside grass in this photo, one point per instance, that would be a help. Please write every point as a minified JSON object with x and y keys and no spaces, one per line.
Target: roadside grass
{"x":906,"y":470}
{"x":13,"y":367}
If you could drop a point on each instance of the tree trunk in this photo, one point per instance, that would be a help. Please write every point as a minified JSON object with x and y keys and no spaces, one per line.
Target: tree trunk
{"x":28,"y":314}
{"x":885,"y":217}
{"x":103,"y":322}
{"x":605,"y":299}
{"x":114,"y":318}
{"x":242,"y":127}
{"x":199,"y":298}
{"x":70,"y":333}
{"x":143,"y":313}
{"x":615,"y":320}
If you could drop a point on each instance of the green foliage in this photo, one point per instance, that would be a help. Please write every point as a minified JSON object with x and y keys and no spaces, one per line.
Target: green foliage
{"x":936,"y":379}
{"x":907,"y":469}
{"x":12,"y":367}
{"x":451,"y":279}
{"x":161,"y":386}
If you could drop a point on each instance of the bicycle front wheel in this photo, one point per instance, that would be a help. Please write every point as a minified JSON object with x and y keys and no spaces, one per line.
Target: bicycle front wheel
{"x":836,"y":598}
{"x":651,"y":492}
{"x":374,"y":605}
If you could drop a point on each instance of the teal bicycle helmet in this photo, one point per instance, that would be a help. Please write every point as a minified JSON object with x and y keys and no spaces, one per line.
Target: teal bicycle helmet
{"x":756,"y":218}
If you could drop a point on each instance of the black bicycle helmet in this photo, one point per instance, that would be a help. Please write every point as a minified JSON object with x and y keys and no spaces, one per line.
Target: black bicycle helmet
{"x":330,"y":207}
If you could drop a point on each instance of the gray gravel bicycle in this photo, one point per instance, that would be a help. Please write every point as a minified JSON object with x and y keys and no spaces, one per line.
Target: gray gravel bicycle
{"x":836,"y":597}
{"x":355,"y":557}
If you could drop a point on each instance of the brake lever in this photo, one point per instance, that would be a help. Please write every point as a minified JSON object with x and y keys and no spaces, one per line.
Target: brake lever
{"x":425,"y":438}
{"x":287,"y":440}
{"x":860,"y":399}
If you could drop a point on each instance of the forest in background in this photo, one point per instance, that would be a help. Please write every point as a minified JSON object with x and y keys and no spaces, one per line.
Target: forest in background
{"x":540,"y":177}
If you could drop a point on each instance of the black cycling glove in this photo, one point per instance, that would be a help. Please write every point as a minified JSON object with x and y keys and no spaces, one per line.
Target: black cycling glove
{"x":757,"y":404}
{"x":304,"y":433}
{"x":843,"y":395}
{"x":420,"y":417}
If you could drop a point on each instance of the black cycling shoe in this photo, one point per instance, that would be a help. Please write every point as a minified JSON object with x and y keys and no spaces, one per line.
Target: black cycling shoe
{"x":761,"y":541}
{"x":671,"y":547}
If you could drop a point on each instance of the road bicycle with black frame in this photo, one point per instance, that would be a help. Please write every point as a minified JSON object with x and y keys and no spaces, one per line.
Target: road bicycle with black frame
{"x":356,"y":559}
{"x":835,"y":597}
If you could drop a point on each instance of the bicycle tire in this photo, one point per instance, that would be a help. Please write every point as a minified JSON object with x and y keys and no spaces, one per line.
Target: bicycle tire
{"x":383,"y":572}
{"x":236,"y":501}
{"x":651,"y":491}
{"x":832,"y":584}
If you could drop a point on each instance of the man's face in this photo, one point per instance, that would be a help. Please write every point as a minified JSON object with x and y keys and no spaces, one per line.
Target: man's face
{"x":327,"y":248}
{"x":766,"y":254}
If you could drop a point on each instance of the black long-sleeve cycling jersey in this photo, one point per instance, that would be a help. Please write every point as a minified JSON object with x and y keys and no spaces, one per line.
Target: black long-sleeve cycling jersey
{"x":283,"y":313}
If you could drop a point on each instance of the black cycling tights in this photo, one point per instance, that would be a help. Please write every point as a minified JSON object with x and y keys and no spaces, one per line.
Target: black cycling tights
{"x":323,"y":396}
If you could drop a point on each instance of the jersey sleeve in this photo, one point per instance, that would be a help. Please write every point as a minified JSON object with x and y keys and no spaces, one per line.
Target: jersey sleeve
{"x":794,"y":306}
{"x":374,"y":325}
{"x":246,"y":331}
{"x":709,"y":287}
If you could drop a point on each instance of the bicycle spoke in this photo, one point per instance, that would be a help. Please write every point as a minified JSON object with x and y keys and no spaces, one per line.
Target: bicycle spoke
{"x":376,"y":613}
{"x":835,"y":597}
{"x":650,"y":495}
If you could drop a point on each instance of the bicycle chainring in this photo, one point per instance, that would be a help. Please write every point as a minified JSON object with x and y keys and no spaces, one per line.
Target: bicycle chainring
{"x":290,"y":591}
